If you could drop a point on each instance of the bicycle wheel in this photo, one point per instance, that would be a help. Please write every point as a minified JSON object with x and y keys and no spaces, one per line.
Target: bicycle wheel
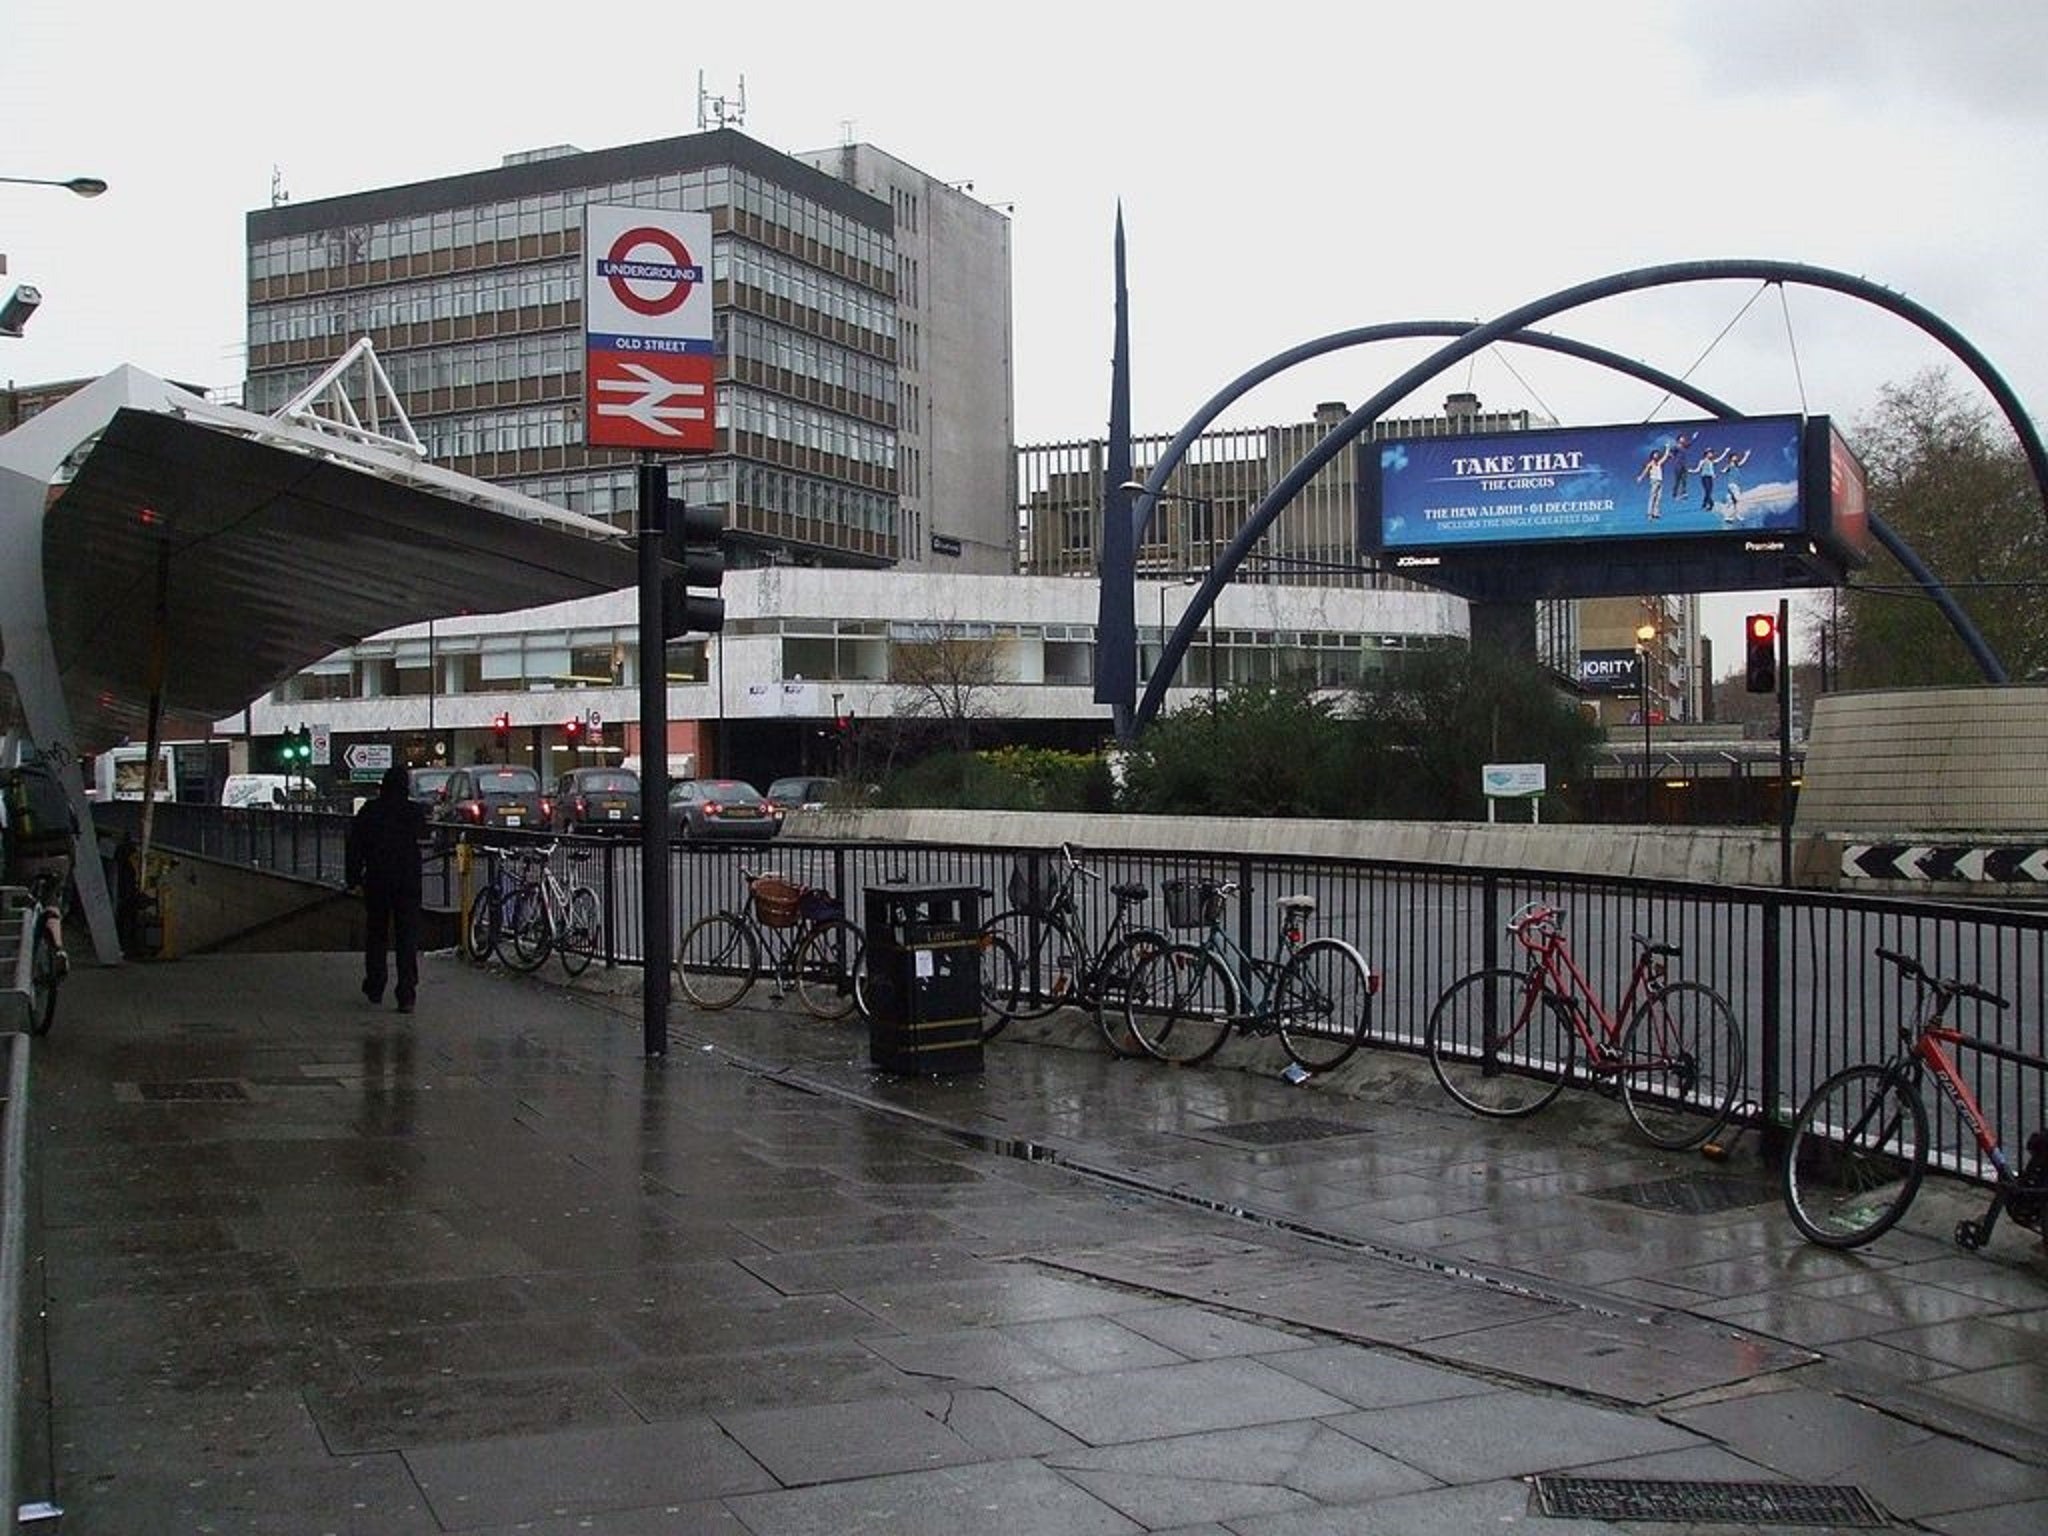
{"x":717,"y":961}
{"x":1002,"y":975}
{"x":1179,"y":1004}
{"x":1682,"y":1065}
{"x":1499,"y":1049}
{"x":1112,"y":979}
{"x":480,"y":934}
{"x":827,"y":966}
{"x":46,"y":969}
{"x":1047,"y":954}
{"x":1857,"y":1155}
{"x":1322,"y":1002}
{"x":579,"y":941}
{"x":531,"y":929}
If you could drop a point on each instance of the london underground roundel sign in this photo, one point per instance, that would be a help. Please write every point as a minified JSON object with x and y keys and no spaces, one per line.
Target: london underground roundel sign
{"x":667,"y":284}
{"x":647,"y":330}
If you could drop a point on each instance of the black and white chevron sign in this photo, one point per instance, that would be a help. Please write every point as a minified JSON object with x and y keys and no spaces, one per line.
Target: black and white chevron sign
{"x":1945,"y":861}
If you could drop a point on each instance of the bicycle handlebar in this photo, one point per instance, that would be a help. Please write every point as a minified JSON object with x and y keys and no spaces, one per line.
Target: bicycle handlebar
{"x":1534,"y":914}
{"x":1074,"y":864}
{"x":1944,"y":987}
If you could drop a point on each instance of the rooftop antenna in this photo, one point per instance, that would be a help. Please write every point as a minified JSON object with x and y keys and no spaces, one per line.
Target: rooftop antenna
{"x":720,"y":111}
{"x":278,"y":196}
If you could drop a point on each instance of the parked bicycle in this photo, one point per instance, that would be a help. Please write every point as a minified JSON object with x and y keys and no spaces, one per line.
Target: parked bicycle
{"x":484,"y":923}
{"x":1035,"y":958}
{"x":530,"y":912}
{"x":798,"y":934}
{"x":1858,"y":1151}
{"x":1183,"y":1002}
{"x":49,"y":964}
{"x":1504,"y":1042}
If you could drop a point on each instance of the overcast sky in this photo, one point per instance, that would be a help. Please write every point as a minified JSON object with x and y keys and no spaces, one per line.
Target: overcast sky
{"x":1286,"y":171}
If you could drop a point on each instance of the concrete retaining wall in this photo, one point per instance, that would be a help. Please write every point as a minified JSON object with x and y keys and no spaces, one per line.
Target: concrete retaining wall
{"x":1710,"y":855}
{"x":212,"y":907}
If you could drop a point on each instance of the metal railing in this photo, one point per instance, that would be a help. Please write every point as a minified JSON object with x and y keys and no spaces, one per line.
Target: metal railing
{"x":13,"y":1259}
{"x":1797,"y":967}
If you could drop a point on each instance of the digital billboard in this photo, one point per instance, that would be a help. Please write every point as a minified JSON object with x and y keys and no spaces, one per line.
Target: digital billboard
{"x":1610,"y":671}
{"x":1848,"y":499}
{"x":1662,"y":481}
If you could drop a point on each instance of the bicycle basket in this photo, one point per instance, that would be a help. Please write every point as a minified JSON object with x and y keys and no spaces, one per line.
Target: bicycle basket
{"x":1035,"y":882}
{"x":1192,"y":903}
{"x":778,"y":903}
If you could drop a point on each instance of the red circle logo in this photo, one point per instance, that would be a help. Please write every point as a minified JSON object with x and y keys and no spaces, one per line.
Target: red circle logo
{"x":620,"y":270}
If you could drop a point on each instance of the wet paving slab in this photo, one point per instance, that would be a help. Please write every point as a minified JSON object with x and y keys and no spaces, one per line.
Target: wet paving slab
{"x":491,"y":1270}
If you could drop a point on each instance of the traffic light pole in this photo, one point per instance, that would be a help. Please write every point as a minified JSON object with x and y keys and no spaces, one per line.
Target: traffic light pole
{"x":654,"y":883}
{"x":1784,"y":641}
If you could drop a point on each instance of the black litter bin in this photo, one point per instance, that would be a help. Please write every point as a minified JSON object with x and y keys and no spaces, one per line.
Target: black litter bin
{"x":924,"y":978}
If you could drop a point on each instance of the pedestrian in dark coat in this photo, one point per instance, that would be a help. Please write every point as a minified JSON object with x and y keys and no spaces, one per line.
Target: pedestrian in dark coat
{"x":384,"y":860}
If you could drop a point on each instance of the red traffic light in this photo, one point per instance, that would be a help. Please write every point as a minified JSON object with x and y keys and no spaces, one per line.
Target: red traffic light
{"x":1760,"y":653}
{"x":573,"y":729}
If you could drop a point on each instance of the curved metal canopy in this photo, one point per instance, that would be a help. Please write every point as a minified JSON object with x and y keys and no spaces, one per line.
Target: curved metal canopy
{"x":154,"y":545}
{"x":269,"y":546}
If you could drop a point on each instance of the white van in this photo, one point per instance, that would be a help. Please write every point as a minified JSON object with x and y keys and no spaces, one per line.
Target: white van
{"x":257,"y":791}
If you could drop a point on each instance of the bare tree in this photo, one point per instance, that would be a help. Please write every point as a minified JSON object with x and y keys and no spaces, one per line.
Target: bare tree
{"x":946,"y":676}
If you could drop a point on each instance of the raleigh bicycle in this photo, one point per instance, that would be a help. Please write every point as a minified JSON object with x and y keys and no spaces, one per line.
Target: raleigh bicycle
{"x":1859,"y":1143}
{"x":1504,"y":1042}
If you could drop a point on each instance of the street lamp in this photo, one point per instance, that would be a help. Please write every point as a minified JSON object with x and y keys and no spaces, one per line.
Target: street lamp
{"x":84,"y":186}
{"x":1138,"y":488}
{"x":1645,"y":633}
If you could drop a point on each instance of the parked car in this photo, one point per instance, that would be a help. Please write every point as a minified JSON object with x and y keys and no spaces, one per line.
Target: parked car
{"x":798,"y":794}
{"x":493,"y":796}
{"x":597,"y":800}
{"x":425,"y":785}
{"x":720,"y":810}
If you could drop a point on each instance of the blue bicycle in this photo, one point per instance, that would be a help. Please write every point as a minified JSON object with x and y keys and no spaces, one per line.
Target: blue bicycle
{"x":1183,"y":1002}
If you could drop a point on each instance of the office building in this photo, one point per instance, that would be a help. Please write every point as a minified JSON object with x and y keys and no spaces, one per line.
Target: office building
{"x":1225,"y":476}
{"x":828,"y":295}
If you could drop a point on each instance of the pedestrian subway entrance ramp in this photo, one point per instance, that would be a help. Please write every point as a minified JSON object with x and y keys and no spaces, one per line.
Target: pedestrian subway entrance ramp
{"x":1705,"y":1503}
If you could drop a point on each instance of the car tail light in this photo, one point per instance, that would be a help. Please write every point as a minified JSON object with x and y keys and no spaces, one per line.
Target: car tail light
{"x":473,"y":809}
{"x":547,"y":809}
{"x":712,"y":807}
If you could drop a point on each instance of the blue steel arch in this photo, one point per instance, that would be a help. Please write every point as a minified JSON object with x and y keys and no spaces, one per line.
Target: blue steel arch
{"x":1509,"y":325}
{"x":1170,"y":460}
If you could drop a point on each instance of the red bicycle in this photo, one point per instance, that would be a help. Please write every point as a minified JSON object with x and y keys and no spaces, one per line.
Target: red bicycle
{"x":1504,"y":1042}
{"x":1859,"y":1144}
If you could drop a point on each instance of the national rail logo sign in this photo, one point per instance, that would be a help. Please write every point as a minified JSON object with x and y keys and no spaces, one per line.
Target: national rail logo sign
{"x":648,"y":365}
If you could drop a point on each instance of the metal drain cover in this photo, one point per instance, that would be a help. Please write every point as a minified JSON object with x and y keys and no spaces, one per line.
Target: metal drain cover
{"x":1632,"y":1498}
{"x":202,"y":1090}
{"x":1288,"y":1128}
{"x":1692,"y":1194}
